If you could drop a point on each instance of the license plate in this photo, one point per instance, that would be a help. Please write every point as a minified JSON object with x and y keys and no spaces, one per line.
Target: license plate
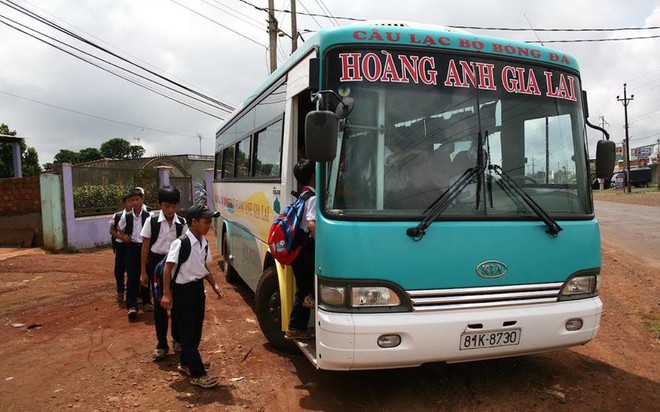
{"x":490,"y":339}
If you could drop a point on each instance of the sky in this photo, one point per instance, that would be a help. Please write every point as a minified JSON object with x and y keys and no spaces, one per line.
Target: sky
{"x":219,"y":47}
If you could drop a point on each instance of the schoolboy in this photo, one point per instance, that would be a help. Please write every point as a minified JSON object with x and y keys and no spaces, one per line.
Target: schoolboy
{"x":303,"y":266}
{"x":130,"y":226}
{"x":119,"y":247}
{"x":185,"y":294}
{"x":155,"y":246}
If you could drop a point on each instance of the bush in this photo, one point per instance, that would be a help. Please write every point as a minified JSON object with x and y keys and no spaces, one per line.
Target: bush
{"x":99,"y":197}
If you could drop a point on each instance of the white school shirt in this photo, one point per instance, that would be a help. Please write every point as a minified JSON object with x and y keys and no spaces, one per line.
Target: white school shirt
{"x":166,"y":235}
{"x":192,"y":269}
{"x":310,"y":210}
{"x":137,"y":226}
{"x":112,"y":223}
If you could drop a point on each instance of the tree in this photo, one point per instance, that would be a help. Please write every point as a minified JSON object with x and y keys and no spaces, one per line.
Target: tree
{"x":116,"y":148}
{"x":137,"y":152}
{"x":89,"y":154}
{"x":29,"y":157}
{"x":67,"y":156}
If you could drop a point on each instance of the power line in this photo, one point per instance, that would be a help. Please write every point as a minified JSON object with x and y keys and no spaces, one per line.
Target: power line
{"x":95,"y":116}
{"x":218,"y":23}
{"x":325,"y":9}
{"x":113,"y":46}
{"x":110,"y":63}
{"x":253,"y":23}
{"x":310,"y":14}
{"x":106,"y":69}
{"x":595,"y":40}
{"x":43,"y":20}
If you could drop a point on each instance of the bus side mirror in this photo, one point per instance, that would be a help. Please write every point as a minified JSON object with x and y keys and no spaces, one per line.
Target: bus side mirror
{"x":605,"y":158}
{"x":321,"y":128}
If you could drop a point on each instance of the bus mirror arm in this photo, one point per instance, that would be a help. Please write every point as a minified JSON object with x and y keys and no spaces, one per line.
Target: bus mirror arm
{"x":605,"y":148}
{"x":343,"y":109}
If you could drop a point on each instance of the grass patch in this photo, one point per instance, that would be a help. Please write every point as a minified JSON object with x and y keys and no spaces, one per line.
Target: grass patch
{"x":652,"y":325}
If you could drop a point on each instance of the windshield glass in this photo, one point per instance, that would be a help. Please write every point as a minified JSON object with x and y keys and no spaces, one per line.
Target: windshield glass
{"x":417,"y":123}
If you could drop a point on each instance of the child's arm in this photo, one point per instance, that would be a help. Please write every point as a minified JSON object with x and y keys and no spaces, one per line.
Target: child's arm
{"x":166,"y":300}
{"x":209,"y":278}
{"x":144,"y":255}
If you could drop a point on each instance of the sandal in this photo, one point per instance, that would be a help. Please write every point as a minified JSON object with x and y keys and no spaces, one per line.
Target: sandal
{"x":186,"y":370}
{"x":205,"y":381}
{"x":159,"y":354}
{"x":308,"y":302}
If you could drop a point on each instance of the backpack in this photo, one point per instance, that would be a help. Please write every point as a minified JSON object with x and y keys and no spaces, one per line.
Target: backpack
{"x":155,"y":228}
{"x":113,"y":240}
{"x":129,"y":221}
{"x":285,"y":238}
{"x":159,"y":270}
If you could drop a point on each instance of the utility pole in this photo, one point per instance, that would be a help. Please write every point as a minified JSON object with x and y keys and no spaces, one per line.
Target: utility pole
{"x":294,"y":27}
{"x":625,"y":101}
{"x":657,"y":165}
{"x":272,"y":35}
{"x":199,"y":136}
{"x":603,"y":122}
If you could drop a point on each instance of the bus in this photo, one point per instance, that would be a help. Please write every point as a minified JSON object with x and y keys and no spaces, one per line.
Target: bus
{"x":455,"y":219}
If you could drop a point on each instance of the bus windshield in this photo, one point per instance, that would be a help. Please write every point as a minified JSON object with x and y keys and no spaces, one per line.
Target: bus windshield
{"x":420,"y":119}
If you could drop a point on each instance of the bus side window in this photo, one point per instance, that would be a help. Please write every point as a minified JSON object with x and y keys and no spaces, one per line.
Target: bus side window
{"x":228,"y":163}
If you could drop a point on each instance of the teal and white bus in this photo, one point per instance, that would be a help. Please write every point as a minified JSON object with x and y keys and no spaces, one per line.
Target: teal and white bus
{"x":455,"y":219}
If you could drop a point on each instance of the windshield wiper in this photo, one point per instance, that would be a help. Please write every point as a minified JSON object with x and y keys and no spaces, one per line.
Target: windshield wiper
{"x":442,"y":202}
{"x":506,"y":180}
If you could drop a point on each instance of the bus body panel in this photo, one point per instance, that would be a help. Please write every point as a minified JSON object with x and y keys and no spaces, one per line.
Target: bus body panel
{"x":349,"y":341}
{"x":449,"y":253}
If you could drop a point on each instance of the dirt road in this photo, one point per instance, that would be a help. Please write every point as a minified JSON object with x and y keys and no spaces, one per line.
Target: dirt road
{"x":85,"y":355}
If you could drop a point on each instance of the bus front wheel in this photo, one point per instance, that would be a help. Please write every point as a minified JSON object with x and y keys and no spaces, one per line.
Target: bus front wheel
{"x":230,"y":273}
{"x":269,"y":310}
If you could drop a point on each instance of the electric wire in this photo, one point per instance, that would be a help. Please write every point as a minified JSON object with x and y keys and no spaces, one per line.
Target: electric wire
{"x":96,"y":116}
{"x":114,"y":65}
{"x":108,"y":70}
{"x":324,"y":9}
{"x":257,"y":25}
{"x":309,"y":14}
{"x":29,"y":13}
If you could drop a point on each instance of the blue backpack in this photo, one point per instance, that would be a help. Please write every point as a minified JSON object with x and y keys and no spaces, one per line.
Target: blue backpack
{"x":284,"y":237}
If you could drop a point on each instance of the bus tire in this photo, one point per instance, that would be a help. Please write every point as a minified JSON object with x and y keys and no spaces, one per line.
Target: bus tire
{"x":231,"y":276}
{"x":269,"y":311}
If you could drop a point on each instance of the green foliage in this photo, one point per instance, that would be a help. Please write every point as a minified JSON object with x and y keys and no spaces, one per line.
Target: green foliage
{"x":29,"y":157}
{"x":116,"y":148}
{"x":137,"y":152}
{"x":67,"y":156}
{"x":89,"y":154}
{"x":99,"y":197}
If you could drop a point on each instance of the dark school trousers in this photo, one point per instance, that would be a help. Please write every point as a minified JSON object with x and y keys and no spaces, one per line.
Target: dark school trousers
{"x":189,"y":304}
{"x":120,"y":266}
{"x":133,"y":288}
{"x":303,"y":271}
{"x":160,"y":315}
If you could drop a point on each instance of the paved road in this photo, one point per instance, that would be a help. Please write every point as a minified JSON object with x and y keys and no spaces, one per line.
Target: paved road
{"x":634,"y":228}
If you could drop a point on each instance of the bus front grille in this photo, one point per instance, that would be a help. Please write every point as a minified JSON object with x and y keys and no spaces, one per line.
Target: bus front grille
{"x":484,"y":297}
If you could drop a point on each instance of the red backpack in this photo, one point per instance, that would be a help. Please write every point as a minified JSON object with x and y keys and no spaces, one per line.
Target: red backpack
{"x":285,"y":238}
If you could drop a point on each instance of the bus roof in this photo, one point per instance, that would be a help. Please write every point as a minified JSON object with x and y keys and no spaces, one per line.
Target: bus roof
{"x":406,"y":34}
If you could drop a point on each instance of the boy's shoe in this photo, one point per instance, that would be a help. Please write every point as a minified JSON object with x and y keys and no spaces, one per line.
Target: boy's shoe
{"x":308,"y":302}
{"x":159,"y":354}
{"x":205,"y":381}
{"x":132,"y":313}
{"x":120,"y":297}
{"x":186,"y":370}
{"x":177,"y":346}
{"x":148,"y":307}
{"x":139,"y":300}
{"x":298,"y":334}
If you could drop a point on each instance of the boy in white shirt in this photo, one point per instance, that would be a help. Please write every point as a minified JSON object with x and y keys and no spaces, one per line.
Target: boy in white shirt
{"x":183,"y":291}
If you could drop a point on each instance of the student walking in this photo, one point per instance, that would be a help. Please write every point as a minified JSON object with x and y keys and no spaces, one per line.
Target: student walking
{"x":183,"y":291}
{"x":303,"y":266}
{"x":131,"y":225}
{"x":158,"y":233}
{"x":119,"y":247}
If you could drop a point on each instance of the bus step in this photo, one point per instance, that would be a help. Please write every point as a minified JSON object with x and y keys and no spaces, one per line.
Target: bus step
{"x":308,"y":347}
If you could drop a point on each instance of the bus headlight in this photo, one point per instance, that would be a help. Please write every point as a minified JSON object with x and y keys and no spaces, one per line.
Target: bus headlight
{"x":370,"y":296}
{"x":332,"y":295}
{"x":580,"y":287}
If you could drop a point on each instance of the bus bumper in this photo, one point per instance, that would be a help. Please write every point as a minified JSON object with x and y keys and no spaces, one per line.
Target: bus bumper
{"x":348,"y":341}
